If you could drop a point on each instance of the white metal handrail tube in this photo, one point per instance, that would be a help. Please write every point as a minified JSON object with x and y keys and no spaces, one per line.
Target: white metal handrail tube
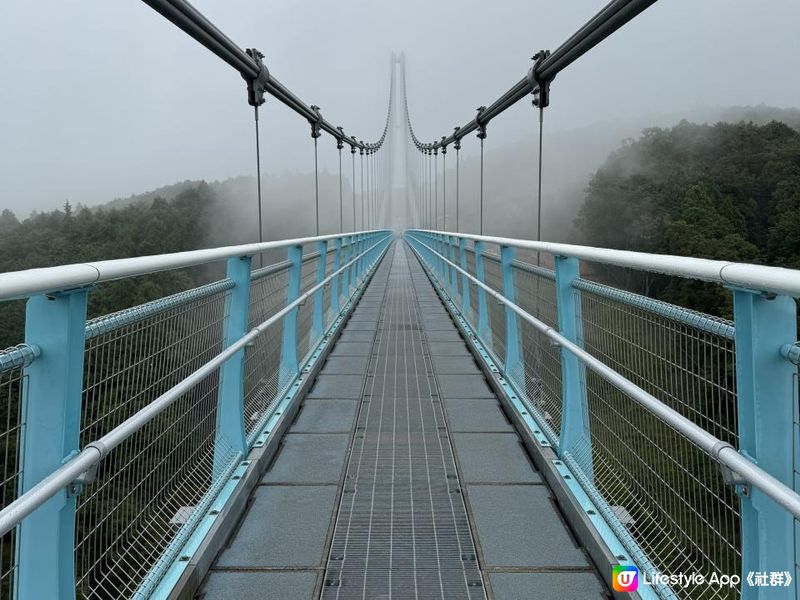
{"x":722,"y":452}
{"x":774,"y":280}
{"x":18,"y":284}
{"x":95,"y":451}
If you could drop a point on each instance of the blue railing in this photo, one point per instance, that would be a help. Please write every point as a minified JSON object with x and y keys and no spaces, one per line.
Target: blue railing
{"x":676,"y":431}
{"x":126,"y":434}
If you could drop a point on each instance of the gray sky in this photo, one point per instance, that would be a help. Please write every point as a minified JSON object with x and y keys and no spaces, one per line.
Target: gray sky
{"x":101,"y":99}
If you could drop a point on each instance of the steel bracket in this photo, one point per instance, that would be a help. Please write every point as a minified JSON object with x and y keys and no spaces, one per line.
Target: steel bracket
{"x":316,"y":124}
{"x":81,"y":481}
{"x":257,"y":86}
{"x":539,"y":88}
{"x":481,"y":126}
{"x":729,"y":476}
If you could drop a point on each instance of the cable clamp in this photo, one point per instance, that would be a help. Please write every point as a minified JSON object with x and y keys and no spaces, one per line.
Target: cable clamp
{"x":257,"y":86}
{"x":444,"y":146}
{"x":316,"y":123}
{"x":729,"y":476}
{"x":539,"y":88}
{"x":340,"y":140}
{"x":457,"y":143}
{"x":481,"y":126}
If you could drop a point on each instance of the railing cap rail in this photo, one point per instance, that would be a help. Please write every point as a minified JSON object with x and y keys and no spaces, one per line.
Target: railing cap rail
{"x":19,"y":284}
{"x":774,"y":280}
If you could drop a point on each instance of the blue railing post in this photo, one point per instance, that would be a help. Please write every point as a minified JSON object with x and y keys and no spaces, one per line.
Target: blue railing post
{"x":466,"y":309}
{"x":337,"y":292}
{"x":574,"y":438}
{"x":346,"y":273}
{"x":444,"y":268}
{"x":437,"y":263}
{"x":353,"y":252}
{"x":51,"y":412}
{"x":360,"y":261}
{"x":451,"y":243}
{"x":289,"y":342}
{"x":766,"y":413}
{"x":230,"y":440}
{"x":513,"y":365}
{"x":318,"y":316}
{"x":484,"y":332}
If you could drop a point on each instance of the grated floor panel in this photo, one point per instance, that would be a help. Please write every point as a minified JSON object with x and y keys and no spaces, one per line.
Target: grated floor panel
{"x":402,"y":529}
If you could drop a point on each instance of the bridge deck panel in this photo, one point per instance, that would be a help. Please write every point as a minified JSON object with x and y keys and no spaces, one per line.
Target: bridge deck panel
{"x":471,"y":518}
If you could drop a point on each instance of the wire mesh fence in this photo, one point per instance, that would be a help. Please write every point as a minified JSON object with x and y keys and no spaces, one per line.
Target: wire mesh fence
{"x":265,"y":377}
{"x":538,"y":376}
{"x":493,"y":277}
{"x":148,"y":487}
{"x":663,"y":495}
{"x":10,"y":411}
{"x":137,"y":507}
{"x":670,"y":495}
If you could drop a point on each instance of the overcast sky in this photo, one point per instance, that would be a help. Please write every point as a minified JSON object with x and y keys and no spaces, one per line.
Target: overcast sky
{"x":105,"y":98}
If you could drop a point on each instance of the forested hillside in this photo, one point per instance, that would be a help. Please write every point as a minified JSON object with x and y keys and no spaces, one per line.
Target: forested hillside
{"x":184,"y":216}
{"x":69,"y":236}
{"x":725,"y":191}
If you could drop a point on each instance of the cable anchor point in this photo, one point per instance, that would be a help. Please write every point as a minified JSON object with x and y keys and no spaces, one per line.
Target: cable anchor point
{"x":256,"y":86}
{"x":539,"y":88}
{"x":316,"y":123}
{"x":481,"y":126}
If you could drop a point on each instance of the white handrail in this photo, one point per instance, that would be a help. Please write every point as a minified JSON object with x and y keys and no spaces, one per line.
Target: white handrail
{"x":725,"y":454}
{"x":94,"y":452}
{"x":19,"y":284}
{"x":775,"y":280}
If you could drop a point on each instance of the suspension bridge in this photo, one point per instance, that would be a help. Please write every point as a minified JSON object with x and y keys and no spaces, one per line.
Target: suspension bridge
{"x":402,"y":409}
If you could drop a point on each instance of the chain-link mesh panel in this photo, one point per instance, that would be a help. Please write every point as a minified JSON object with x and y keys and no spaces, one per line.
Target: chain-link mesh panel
{"x":669,"y":495}
{"x":538,"y":378}
{"x":10,"y":411}
{"x":264,"y":380}
{"x":497,"y":312}
{"x":146,"y":488}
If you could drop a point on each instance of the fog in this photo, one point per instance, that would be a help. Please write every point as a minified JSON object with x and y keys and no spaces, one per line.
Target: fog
{"x":102,"y":100}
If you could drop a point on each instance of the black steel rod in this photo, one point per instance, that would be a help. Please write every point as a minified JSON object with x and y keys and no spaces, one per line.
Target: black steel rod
{"x":187,"y":18}
{"x":612,"y":17}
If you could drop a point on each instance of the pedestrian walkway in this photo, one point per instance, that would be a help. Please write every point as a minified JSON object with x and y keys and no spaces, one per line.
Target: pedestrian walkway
{"x":401,"y":476}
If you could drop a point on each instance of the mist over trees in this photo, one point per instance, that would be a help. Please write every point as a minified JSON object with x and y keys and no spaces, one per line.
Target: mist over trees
{"x":728,"y":192}
{"x":724,"y":191}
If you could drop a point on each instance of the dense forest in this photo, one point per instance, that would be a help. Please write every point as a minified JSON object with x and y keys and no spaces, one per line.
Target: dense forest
{"x":727,"y":191}
{"x":77,"y":235}
{"x":724,"y":191}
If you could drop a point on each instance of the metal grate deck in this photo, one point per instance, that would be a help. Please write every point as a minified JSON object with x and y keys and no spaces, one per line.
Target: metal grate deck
{"x":402,"y":529}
